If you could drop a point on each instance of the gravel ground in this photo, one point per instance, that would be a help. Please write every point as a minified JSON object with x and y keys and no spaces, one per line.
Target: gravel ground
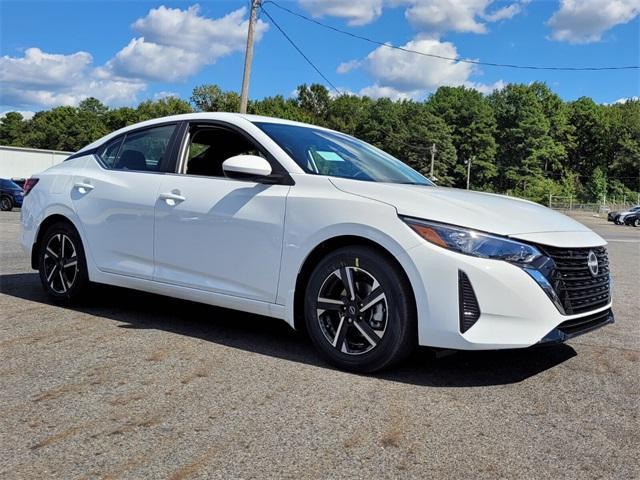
{"x":133,"y":385}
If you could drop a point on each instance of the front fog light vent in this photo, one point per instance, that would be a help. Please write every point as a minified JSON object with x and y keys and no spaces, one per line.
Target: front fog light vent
{"x":468,"y":304}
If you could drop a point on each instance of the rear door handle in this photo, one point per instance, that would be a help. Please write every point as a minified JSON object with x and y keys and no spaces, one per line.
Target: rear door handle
{"x":83,"y":187}
{"x":172,"y":198}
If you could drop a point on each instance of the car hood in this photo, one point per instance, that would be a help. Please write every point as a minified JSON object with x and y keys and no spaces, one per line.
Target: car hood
{"x":487,"y":212}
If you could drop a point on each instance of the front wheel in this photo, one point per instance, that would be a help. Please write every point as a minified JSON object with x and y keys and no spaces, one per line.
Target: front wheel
{"x":359,"y":310}
{"x":62,"y":264}
{"x":6,"y":204}
{"x":636,"y":222}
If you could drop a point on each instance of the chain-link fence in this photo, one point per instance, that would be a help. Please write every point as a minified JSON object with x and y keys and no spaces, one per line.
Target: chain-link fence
{"x":608,"y":205}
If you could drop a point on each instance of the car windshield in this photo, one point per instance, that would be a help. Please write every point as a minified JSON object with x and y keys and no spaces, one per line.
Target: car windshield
{"x":10,"y":185}
{"x":334,"y":154}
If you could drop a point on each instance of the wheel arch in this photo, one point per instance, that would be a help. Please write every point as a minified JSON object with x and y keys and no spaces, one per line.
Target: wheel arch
{"x":42,"y":228}
{"x":322,"y":249}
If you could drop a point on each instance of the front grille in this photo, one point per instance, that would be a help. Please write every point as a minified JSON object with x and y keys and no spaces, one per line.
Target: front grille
{"x":578,"y":290}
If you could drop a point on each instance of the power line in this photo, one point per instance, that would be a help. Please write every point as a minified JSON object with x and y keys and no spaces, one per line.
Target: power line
{"x":440,"y":57}
{"x":388,"y":133}
{"x":300,"y":51}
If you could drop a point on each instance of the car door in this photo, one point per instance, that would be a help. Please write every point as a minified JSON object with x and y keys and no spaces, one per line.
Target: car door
{"x":115,"y":196}
{"x":215,"y":233}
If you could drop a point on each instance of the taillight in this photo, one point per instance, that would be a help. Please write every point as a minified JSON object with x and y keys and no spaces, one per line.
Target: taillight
{"x":29,"y":184}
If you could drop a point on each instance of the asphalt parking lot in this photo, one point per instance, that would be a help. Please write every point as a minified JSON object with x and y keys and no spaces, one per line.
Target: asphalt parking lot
{"x":132,"y":385}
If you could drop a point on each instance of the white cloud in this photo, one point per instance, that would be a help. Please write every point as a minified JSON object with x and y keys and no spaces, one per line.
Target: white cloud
{"x":356,"y":12}
{"x":165,"y":94}
{"x":440,"y":16}
{"x":47,"y":80}
{"x":401,"y":75}
{"x":507,"y":12}
{"x":173,"y":44}
{"x":377,"y":91}
{"x":627,"y":99}
{"x":407,"y":72}
{"x":150,"y":61}
{"x":177,"y":43}
{"x":346,"y":67}
{"x":26,"y":114}
{"x":585,"y":21}
{"x":37,"y":68}
{"x":486,"y":88}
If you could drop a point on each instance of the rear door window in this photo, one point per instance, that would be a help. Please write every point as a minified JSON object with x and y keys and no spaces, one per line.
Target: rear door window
{"x":141,"y":150}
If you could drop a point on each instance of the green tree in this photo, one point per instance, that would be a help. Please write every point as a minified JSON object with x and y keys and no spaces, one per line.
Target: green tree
{"x":591,"y":147}
{"x":121,"y":117}
{"x":12,"y":129}
{"x":522,"y":135}
{"x":278,"y":107}
{"x":315,"y":101}
{"x":473,"y":126}
{"x":597,"y":186}
{"x":211,"y":98}
{"x":161,"y":108}
{"x":93,"y":106}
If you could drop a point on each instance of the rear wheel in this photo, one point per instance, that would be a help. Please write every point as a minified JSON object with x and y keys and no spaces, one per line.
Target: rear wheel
{"x":6,"y":204}
{"x":359,"y":310}
{"x":62,"y":264}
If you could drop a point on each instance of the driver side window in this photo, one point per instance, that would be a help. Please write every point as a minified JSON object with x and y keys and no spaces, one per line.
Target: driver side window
{"x":210,"y":146}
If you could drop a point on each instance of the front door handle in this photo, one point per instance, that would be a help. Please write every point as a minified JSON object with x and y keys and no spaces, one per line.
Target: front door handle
{"x":172,"y":198}
{"x":83,"y":187}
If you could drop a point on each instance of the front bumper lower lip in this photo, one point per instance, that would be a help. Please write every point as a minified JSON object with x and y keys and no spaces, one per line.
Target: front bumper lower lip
{"x":578,"y":326}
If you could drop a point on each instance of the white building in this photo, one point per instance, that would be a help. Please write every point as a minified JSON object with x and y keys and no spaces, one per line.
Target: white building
{"x":18,"y":162}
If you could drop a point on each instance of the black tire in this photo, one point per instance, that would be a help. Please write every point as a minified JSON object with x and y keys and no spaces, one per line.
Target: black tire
{"x":63,"y":280}
{"x":367,"y":267}
{"x":636,"y":222}
{"x":6,"y":204}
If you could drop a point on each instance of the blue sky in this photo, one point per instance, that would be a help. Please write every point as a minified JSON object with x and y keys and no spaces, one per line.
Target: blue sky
{"x":56,"y":53}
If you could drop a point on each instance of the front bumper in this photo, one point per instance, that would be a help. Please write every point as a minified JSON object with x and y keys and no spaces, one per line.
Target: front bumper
{"x":515,"y":312}
{"x":579,"y":326}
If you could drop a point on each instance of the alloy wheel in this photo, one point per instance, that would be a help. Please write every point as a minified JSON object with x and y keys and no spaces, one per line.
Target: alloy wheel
{"x":352,"y":310}
{"x":5,"y":203}
{"x":60,"y":263}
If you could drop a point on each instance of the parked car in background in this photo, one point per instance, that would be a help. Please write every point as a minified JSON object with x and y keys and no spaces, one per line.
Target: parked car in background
{"x":10,"y":195}
{"x":19,"y":181}
{"x":619,"y":218}
{"x":611,"y":216}
{"x":317,"y":228}
{"x":633,"y":219}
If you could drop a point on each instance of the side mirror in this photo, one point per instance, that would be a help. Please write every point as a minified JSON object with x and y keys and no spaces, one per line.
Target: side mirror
{"x":246,"y":167}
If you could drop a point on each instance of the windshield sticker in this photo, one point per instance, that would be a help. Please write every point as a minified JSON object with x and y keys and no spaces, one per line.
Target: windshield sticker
{"x":330,"y":156}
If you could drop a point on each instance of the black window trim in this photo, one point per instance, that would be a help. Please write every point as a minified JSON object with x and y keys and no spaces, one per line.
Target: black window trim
{"x":168,"y":161}
{"x":279,"y":176}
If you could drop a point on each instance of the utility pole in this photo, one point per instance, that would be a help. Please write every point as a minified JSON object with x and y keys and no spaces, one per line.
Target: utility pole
{"x":433,"y":157}
{"x":248,"y":56}
{"x":473,"y":157}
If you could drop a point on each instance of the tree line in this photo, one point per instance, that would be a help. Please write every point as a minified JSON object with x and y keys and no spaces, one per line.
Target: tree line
{"x":523,"y":140}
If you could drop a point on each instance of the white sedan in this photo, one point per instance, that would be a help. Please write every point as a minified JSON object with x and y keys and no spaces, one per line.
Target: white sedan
{"x":322,"y":230}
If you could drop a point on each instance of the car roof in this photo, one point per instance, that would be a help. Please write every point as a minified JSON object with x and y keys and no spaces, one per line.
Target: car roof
{"x":228,"y":116}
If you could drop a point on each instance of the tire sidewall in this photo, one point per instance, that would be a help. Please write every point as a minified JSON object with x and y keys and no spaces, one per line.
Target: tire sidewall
{"x":82,"y":278}
{"x":400,"y":312}
{"x":9,"y":204}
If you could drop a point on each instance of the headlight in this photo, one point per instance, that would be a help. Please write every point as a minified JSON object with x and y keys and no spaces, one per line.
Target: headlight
{"x":474,"y":243}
